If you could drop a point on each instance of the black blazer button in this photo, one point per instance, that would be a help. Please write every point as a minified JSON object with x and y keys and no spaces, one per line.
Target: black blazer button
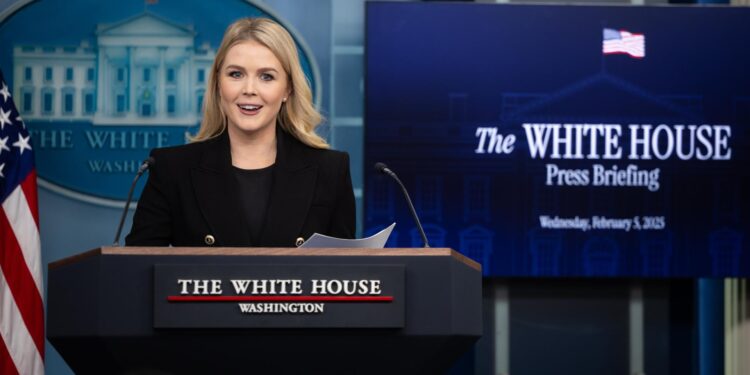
{"x":209,"y":240}
{"x":299,"y":241}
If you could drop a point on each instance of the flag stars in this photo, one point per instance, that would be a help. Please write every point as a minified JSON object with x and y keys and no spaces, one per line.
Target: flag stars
{"x":4,"y":119}
{"x":22,"y":143}
{"x":4,"y":92}
{"x":2,"y":166}
{"x":3,"y":145}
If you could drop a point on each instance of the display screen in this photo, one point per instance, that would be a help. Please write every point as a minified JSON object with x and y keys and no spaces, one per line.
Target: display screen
{"x":563,"y":140}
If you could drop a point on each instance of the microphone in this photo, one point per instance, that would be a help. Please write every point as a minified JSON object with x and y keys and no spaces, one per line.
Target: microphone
{"x":144,"y":166}
{"x":382,"y":168}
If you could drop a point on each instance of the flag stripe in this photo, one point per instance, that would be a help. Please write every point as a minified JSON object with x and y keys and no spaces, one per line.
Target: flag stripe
{"x":25,"y":295}
{"x":18,"y":341}
{"x":636,"y":50}
{"x":6,"y":362}
{"x":29,"y":190}
{"x":623,"y":43}
{"x":623,"y":47}
{"x":626,"y":53}
{"x":628,"y":40}
{"x":622,"y":50}
{"x":22,"y":224}
{"x":620,"y":43}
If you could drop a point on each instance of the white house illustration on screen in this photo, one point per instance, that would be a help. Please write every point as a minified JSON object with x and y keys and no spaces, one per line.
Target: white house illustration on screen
{"x":144,"y":70}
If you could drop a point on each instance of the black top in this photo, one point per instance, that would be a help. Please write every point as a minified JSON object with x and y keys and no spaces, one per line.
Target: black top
{"x":255,"y":188}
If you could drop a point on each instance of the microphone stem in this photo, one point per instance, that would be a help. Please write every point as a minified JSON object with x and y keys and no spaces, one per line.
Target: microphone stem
{"x":127,"y":206}
{"x":411,"y":206}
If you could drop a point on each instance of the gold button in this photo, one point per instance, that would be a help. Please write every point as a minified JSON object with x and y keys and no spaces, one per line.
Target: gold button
{"x":299,"y":241}
{"x":209,"y":240}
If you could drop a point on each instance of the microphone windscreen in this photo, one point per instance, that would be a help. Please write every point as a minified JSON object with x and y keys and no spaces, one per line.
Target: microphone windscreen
{"x":380,"y":167}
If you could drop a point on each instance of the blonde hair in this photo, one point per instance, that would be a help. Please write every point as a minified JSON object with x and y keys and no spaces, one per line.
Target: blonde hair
{"x":297,"y":116}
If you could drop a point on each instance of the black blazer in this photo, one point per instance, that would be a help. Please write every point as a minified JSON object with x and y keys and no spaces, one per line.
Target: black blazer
{"x":192,"y":193}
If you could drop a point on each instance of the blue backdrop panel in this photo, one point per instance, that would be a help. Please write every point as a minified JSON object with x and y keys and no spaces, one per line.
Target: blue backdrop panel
{"x":563,"y":140}
{"x":103,"y":85}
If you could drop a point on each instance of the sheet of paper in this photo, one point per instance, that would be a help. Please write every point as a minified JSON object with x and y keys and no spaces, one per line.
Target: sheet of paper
{"x":376,"y":241}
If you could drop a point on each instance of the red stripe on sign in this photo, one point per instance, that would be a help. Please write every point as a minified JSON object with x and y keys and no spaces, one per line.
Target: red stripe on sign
{"x":280,"y":298}
{"x":21,"y":284}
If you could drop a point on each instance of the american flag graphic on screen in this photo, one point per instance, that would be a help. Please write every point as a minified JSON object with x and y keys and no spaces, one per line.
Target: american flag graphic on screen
{"x":625,"y":42}
{"x":21,"y":304}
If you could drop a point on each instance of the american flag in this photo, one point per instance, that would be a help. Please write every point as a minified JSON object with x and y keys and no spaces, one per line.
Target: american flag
{"x":622,"y":41}
{"x":21,"y":303}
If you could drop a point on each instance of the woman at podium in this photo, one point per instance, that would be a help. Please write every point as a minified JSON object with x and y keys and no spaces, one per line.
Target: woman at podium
{"x":256,"y":174}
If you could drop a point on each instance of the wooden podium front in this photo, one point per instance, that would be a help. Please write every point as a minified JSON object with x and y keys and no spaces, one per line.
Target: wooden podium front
{"x":263,"y":310}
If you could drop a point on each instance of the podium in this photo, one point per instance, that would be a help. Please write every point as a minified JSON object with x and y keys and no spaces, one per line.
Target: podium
{"x":141,"y":310}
